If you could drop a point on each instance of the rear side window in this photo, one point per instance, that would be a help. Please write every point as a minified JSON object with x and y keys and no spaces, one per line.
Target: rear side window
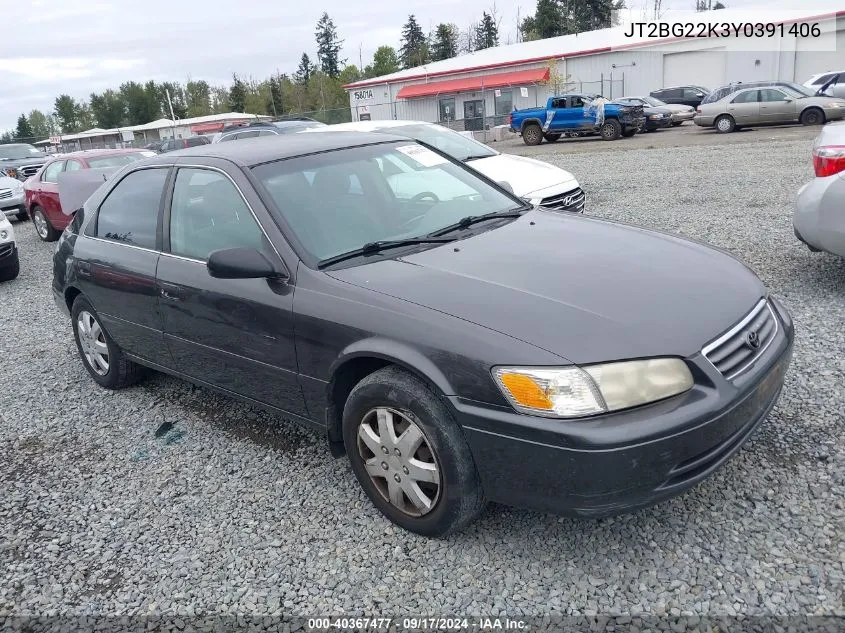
{"x":692,"y":93}
{"x":746,"y":97}
{"x":669,"y":94}
{"x":130,"y":213}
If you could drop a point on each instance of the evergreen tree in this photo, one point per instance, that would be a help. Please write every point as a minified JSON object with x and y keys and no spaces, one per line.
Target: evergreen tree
{"x":108,"y":108}
{"x":486,"y":33}
{"x":444,"y":43}
{"x":39,"y":124}
{"x":384,"y":62}
{"x":305,"y":70}
{"x":414,"y":49}
{"x":328,"y":47}
{"x":23,"y":132}
{"x":275,"y":104}
{"x":66,"y":111}
{"x":237,"y":95}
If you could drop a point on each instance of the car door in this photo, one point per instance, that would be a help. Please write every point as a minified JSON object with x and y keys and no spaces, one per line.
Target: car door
{"x":744,"y":107}
{"x":669,"y":95}
{"x":235,"y":334}
{"x":776,"y":106}
{"x":692,"y":97}
{"x":118,"y":259}
{"x":48,"y":190}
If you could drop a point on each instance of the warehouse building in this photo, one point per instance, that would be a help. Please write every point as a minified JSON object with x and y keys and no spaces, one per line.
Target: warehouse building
{"x":477,"y":91}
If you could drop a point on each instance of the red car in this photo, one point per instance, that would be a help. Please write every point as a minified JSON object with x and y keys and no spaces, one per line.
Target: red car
{"x":42,"y":190}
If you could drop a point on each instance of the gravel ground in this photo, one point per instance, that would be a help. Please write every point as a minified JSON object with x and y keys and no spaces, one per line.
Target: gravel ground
{"x":233,"y":511}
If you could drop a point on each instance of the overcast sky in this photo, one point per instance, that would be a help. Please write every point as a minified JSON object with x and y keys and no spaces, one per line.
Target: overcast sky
{"x":81,"y":46}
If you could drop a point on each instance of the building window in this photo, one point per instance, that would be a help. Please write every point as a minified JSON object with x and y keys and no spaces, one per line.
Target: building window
{"x":503,"y":101}
{"x":447,"y":109}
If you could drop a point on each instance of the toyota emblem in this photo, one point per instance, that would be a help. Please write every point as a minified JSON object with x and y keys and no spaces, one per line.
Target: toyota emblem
{"x":752,"y":340}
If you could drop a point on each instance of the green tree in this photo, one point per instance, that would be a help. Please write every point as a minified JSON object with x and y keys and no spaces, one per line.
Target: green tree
{"x":198,"y":98}
{"x":563,"y":17}
{"x":349,"y":75}
{"x":444,"y":42}
{"x":66,"y":111}
{"x":486,"y":33}
{"x":414,"y":49}
{"x":142,"y":102}
{"x":84,"y":116}
{"x":219,"y":100}
{"x":237,"y":95}
{"x":328,"y":47}
{"x":275,"y":104}
{"x":178,"y":99}
{"x":384,"y":62}
{"x":108,"y":108}
{"x":305,"y":70}
{"x":39,"y":124}
{"x":23,"y":132}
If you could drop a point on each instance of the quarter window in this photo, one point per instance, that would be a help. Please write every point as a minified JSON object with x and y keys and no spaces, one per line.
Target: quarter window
{"x":51,"y":174}
{"x":130,"y":213}
{"x":208,"y":214}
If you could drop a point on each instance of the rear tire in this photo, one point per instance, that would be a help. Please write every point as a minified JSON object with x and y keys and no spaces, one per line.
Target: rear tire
{"x":43,"y":228}
{"x":437,"y":469}
{"x":551,"y":138}
{"x":112,"y":370}
{"x":812,"y":116}
{"x":23,"y":216}
{"x":610,"y":130}
{"x":725,"y":124}
{"x":532,"y":134}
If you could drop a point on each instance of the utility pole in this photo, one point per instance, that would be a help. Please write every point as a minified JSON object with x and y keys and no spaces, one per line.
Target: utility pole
{"x":172,"y":117}
{"x":361,"y":58}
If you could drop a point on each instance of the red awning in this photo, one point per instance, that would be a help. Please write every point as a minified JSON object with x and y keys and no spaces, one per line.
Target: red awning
{"x":474,"y":84}
{"x":205,"y":128}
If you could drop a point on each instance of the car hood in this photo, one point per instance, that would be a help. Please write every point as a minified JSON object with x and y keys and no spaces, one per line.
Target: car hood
{"x":584,"y":289}
{"x":525,"y":175}
{"x":22,"y":162}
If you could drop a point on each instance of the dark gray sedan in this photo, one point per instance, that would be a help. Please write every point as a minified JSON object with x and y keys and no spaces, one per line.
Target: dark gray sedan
{"x":458,"y":345}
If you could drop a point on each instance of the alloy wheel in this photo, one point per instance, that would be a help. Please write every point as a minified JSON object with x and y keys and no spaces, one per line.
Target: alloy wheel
{"x":40,"y":223}
{"x":399,"y":461}
{"x":92,"y":342}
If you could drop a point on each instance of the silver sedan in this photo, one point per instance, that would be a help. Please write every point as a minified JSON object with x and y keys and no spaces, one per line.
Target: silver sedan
{"x":818,"y":219}
{"x":680,"y":112}
{"x":762,"y":106}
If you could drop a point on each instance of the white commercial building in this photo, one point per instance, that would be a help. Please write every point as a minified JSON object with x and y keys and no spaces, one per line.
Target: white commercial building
{"x":479,"y":90}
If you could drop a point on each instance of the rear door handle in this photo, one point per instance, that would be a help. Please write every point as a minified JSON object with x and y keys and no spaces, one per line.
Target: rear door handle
{"x":171,"y":292}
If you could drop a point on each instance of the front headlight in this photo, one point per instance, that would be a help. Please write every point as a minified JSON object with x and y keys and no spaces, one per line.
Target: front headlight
{"x":655,"y":116}
{"x":4,"y":234}
{"x":571,"y":392}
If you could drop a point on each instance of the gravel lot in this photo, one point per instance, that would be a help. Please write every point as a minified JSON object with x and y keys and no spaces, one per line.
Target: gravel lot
{"x":233,"y":511}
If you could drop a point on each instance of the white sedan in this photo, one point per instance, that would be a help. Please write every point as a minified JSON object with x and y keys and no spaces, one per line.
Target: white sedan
{"x":9,"y":264}
{"x":12,"y":197}
{"x":543,"y":184}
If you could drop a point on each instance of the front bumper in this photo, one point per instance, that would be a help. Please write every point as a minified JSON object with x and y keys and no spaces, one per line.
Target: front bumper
{"x":680,"y":117}
{"x":13,"y":205}
{"x":8,"y":254}
{"x":834,"y":114}
{"x":622,"y":461}
{"x":657,"y":124}
{"x":819,"y":217}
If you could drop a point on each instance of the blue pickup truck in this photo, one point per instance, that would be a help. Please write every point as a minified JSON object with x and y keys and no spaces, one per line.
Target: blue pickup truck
{"x":575,"y":113}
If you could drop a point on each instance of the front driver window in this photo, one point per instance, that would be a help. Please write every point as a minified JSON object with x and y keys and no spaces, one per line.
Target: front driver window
{"x":209,"y":214}
{"x":51,"y":174}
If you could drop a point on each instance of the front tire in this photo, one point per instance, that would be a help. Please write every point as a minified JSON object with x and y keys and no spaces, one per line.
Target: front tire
{"x":10,"y":272}
{"x":725,"y":124}
{"x":409,"y":455}
{"x":101,"y":356}
{"x":812,"y":116}
{"x":532,"y":134}
{"x":42,"y":225}
{"x":610,"y":130}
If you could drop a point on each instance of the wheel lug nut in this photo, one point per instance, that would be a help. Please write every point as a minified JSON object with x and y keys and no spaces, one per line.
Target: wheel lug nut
{"x":384,"y":450}
{"x":398,"y":452}
{"x":384,"y":465}
{"x":397,"y":478}
{"x":405,"y":469}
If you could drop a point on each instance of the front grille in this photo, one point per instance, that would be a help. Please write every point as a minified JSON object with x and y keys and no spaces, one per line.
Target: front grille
{"x":5,"y":193}
{"x":29,"y":170}
{"x":6,"y":249}
{"x":573,"y":201}
{"x":737,"y":349}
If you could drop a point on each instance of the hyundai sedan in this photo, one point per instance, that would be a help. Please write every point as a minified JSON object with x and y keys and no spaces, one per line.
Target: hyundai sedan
{"x":456,"y":343}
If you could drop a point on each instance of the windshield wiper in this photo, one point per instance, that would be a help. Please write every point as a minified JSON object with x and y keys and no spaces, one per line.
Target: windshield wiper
{"x":465,"y":223}
{"x":476,"y":157}
{"x":371,"y":248}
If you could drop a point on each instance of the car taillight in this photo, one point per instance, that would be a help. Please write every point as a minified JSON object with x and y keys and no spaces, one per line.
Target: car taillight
{"x":510,"y":119}
{"x":829,"y":160}
{"x":698,"y":109}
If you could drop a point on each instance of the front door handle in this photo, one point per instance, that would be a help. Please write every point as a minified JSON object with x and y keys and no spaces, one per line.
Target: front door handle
{"x":170,"y":296}
{"x":171,"y":293}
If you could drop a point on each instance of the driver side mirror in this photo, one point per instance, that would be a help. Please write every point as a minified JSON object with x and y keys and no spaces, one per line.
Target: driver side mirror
{"x":242,"y":263}
{"x":504,"y":184}
{"x":787,"y":99}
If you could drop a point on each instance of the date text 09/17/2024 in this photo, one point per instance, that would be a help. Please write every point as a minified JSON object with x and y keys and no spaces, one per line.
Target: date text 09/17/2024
{"x":415,"y":624}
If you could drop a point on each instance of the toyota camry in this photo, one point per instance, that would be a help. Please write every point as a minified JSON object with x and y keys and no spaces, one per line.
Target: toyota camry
{"x":456,"y":343}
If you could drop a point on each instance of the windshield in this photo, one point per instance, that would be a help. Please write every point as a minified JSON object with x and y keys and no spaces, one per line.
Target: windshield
{"x":338,"y":201}
{"x":447,"y":141}
{"x":117,"y":161}
{"x":15,"y":152}
{"x":654,"y":102}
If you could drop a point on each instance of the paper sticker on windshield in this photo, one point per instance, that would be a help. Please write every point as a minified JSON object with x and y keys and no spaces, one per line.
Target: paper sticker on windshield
{"x":422,"y":155}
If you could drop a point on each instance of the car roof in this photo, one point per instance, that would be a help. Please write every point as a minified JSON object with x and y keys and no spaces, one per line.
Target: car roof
{"x":264,"y":149}
{"x":96,"y":153}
